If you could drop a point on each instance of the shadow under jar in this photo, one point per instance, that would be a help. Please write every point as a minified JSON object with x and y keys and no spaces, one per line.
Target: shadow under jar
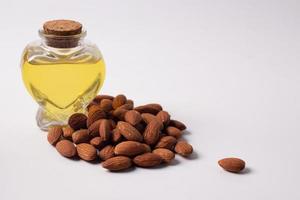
{"x":62,"y":71}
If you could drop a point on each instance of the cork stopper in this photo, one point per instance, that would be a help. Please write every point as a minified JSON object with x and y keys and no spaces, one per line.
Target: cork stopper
{"x":62,"y":33}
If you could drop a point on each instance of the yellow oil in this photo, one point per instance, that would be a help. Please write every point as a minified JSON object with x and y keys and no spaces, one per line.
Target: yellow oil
{"x":62,"y":89}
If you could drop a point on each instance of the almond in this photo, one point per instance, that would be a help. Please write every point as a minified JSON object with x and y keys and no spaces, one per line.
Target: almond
{"x":106,"y":105}
{"x":118,"y":101}
{"x":152,"y":108}
{"x":166,"y":155}
{"x":86,"y":151}
{"x":107,"y":152}
{"x":147,"y":160}
{"x":129,"y":101}
{"x":183,"y":148}
{"x":147,"y":117}
{"x":147,"y":148}
{"x":167,"y":142}
{"x":94,"y":128}
{"x":104,"y":130}
{"x":133,"y":117}
{"x":129,"y":132}
{"x":116,"y":135}
{"x":177,"y":124}
{"x":67,"y":132}
{"x":130,"y":148}
{"x":127,"y":106}
{"x":95,"y":115}
{"x":163,"y":117}
{"x":99,"y":98}
{"x":173,"y":131}
{"x":66,"y":148}
{"x":77,"y":121}
{"x":117,"y":163}
{"x":119,"y":113}
{"x":152,"y":131}
{"x":80,"y":136}
{"x":140,"y":127}
{"x":232,"y":164}
{"x":54,"y":134}
{"x":97,"y":142}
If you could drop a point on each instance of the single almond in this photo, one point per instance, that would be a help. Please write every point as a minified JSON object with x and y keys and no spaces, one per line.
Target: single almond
{"x":130,"y":148}
{"x":130,"y":101}
{"x":173,"y":131}
{"x":107,"y":152}
{"x":86,"y":151}
{"x":80,"y":136}
{"x":133,"y":117}
{"x":77,"y":121}
{"x":118,"y":101}
{"x":117,"y":163}
{"x":147,"y":117}
{"x":105,"y":130}
{"x":167,"y":142}
{"x":67,"y":132}
{"x":147,"y":160}
{"x":152,"y":108}
{"x":54,"y":134}
{"x":106,"y":105}
{"x":183,"y":148}
{"x":152,"y":131}
{"x":94,"y":128}
{"x":147,"y":148}
{"x":177,"y":124}
{"x":66,"y":148}
{"x":129,"y":132}
{"x":97,"y":142}
{"x":116,"y":135}
{"x":163,"y":117}
{"x":119,"y":113}
{"x":166,"y":155}
{"x":99,"y":98}
{"x":95,"y":115}
{"x":232,"y":164}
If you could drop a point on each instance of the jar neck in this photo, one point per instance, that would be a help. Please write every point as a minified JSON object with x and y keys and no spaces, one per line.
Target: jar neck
{"x":62,"y":41}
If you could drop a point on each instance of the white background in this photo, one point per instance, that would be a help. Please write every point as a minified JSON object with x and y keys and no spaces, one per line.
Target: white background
{"x":228,"y":69}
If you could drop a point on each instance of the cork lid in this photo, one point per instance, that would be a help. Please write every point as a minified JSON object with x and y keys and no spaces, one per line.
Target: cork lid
{"x":62,"y":27}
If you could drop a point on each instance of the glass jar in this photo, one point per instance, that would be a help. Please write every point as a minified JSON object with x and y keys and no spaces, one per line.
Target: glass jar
{"x":62,"y":72}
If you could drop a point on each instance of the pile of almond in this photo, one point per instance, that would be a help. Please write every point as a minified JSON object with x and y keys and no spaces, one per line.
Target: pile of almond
{"x":121,"y":135}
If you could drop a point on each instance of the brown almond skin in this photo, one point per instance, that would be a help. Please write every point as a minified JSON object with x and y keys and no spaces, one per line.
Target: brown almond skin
{"x":106,"y":105}
{"x":147,"y":148}
{"x":183,"y":148}
{"x":107,"y":152}
{"x":163,"y":117}
{"x":104,"y":130}
{"x":94,"y":128}
{"x":118,"y":101}
{"x":77,"y":121}
{"x":167,"y":142}
{"x":147,"y":160}
{"x":116,"y":136}
{"x":126,"y":106}
{"x":151,"y":133}
{"x":117,"y":163}
{"x":129,"y":132}
{"x":99,"y":98}
{"x":119,"y":113}
{"x":177,"y":124}
{"x":80,"y":136}
{"x":133,"y":117}
{"x":86,"y":151}
{"x":147,"y":117}
{"x":130,"y":148}
{"x":152,"y":108}
{"x":173,"y":131}
{"x":97,"y":142}
{"x":95,"y":115}
{"x":66,"y":148}
{"x":166,"y":155}
{"x":67,"y":132}
{"x":54,"y":134}
{"x":130,"y":101}
{"x":234,"y":165}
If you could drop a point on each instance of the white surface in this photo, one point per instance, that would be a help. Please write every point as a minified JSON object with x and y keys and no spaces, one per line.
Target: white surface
{"x":228,"y":69}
